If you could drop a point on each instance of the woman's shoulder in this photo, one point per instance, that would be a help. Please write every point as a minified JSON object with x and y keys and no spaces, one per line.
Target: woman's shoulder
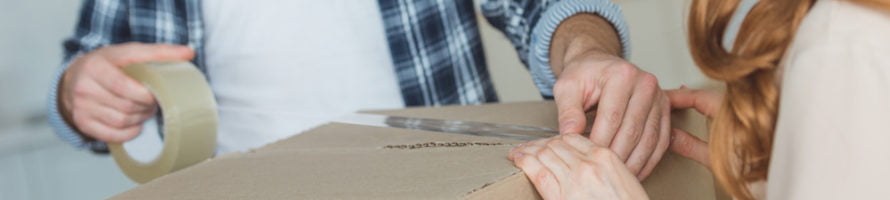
{"x":833,"y":107}
{"x":840,"y":31}
{"x":844,"y":44}
{"x":843,"y":23}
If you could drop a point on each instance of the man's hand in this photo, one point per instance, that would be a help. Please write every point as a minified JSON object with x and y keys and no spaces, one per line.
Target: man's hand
{"x":632,"y":112}
{"x":572,"y":167}
{"x":104,"y":103}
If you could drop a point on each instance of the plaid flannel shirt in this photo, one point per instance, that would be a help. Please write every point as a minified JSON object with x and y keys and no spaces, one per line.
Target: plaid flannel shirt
{"x":435,"y":44}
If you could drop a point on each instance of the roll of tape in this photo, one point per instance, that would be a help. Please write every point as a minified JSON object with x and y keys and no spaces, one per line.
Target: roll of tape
{"x":188,"y":112}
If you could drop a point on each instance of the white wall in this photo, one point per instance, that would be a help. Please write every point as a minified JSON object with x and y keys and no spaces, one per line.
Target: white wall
{"x":34,"y":164}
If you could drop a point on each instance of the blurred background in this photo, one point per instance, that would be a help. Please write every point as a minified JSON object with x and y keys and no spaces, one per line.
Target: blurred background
{"x":35,"y":164}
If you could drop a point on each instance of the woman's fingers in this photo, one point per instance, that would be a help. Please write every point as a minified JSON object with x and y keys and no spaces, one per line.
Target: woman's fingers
{"x":544,"y":180}
{"x":567,"y":153}
{"x":528,"y":148}
{"x":689,"y":146}
{"x":573,"y":167}
{"x":704,"y":101}
{"x":556,"y":165}
{"x":579,"y":142}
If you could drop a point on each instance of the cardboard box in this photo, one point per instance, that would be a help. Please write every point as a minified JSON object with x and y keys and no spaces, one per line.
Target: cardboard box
{"x":344,"y":161}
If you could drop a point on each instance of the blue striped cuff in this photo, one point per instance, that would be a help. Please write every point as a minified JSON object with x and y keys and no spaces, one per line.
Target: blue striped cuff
{"x":64,"y":130}
{"x":539,"y":52}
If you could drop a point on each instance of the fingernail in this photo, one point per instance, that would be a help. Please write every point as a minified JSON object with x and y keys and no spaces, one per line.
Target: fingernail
{"x":518,"y":156}
{"x":568,"y":125}
{"x":518,"y":146}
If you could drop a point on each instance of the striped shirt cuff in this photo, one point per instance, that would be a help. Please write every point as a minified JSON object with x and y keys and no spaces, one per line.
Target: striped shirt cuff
{"x":539,"y":53}
{"x":64,"y":130}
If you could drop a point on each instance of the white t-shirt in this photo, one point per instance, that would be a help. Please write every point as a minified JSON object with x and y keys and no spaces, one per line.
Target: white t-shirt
{"x":278,"y":68}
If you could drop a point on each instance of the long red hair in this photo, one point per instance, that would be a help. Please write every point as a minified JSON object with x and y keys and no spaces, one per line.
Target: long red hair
{"x":741,"y":134}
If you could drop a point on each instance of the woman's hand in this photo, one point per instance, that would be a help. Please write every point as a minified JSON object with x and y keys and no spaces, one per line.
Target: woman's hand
{"x":570,"y":166}
{"x":704,"y":101}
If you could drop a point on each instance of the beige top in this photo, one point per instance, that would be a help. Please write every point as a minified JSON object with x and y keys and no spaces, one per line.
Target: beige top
{"x":833,"y":132}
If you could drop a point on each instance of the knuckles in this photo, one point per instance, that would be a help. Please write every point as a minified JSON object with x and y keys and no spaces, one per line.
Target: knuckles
{"x":588,"y":169}
{"x":563,"y":85}
{"x":648,"y":82}
{"x":541,"y":176}
{"x":521,"y":161}
{"x":80,"y":120}
{"x":556,"y":142}
{"x":118,"y":85}
{"x":118,"y":122}
{"x":682,"y":145}
{"x":88,"y":61}
{"x":603,"y":154}
{"x":624,"y":70}
{"x":543,"y":154}
{"x":614,"y":117}
{"x":80,"y":90}
{"x":128,"y":107}
{"x":131,"y":133}
{"x":635,"y":132}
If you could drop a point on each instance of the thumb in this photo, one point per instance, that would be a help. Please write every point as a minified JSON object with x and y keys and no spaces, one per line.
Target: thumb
{"x":689,"y":146}
{"x":572,"y":118}
{"x":129,"y":53}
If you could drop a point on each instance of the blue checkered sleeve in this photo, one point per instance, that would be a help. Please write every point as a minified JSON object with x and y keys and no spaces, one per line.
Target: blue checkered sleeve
{"x":101,"y":22}
{"x":529,"y":24}
{"x":107,"y":22}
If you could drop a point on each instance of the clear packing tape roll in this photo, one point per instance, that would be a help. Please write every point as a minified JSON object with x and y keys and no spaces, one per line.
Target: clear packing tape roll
{"x":188,"y":113}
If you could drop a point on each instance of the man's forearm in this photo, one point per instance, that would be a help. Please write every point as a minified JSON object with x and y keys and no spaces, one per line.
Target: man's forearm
{"x":581,"y":34}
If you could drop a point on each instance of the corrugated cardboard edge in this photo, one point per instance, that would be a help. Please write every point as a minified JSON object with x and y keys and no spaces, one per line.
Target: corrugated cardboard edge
{"x":513,"y":186}
{"x":516,"y":186}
